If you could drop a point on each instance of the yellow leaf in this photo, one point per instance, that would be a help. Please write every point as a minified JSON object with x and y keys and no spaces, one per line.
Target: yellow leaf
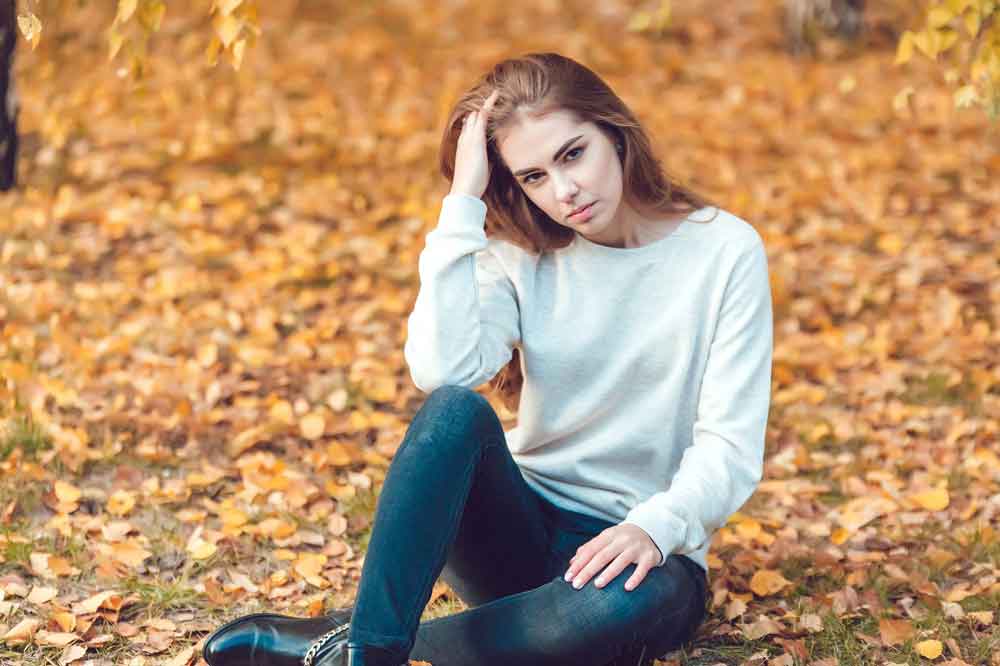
{"x":66,"y":492}
{"x":115,"y":41}
{"x":972,"y":22}
{"x":945,"y":39}
{"x":338,"y":455}
{"x":748,"y":529}
{"x":151,"y":14}
{"x":238,"y":48}
{"x":932,"y":500}
{"x":966,"y":96}
{"x":125,"y":10}
{"x":227,"y":27}
{"x":930,"y":648}
{"x":905,"y":49}
{"x":281,"y":412}
{"x":312,"y":425}
{"x":939,"y":16}
{"x":662,"y":18}
{"x":227,"y":6}
{"x":309,"y":564}
{"x":31,"y":28}
{"x":202,"y":550}
{"x":276,"y":528}
{"x":640,"y":21}
{"x":233,"y":517}
{"x":984,"y":618}
{"x":890,"y":243}
{"x":767,"y":581}
{"x":65,"y":620}
{"x":840,"y":535}
{"x":924,"y":40}
{"x":901,"y":101}
{"x":121,"y":502}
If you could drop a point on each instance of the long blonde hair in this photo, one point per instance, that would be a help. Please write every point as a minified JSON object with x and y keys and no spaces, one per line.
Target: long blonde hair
{"x":538,"y":83}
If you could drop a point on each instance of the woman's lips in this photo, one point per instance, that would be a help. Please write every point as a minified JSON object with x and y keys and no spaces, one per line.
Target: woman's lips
{"x":583,"y":211}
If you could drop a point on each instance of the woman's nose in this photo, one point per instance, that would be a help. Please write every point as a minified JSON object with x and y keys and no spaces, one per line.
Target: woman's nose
{"x":566,"y":188}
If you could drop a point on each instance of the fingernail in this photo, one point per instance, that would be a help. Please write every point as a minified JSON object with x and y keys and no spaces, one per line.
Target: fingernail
{"x":567,"y":575}
{"x":577,"y":584}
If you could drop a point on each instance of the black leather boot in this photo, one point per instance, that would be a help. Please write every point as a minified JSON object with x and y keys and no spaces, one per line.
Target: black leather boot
{"x":269,"y":639}
{"x":367,"y":655}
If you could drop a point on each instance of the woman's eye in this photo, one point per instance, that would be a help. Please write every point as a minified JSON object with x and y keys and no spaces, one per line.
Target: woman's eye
{"x":528,"y":179}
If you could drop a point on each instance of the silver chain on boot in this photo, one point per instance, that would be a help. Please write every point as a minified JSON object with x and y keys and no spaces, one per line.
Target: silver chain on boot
{"x":318,"y":643}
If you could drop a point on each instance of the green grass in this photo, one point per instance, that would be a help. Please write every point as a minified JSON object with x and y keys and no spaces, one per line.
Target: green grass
{"x":158,"y":596}
{"x":361,"y":505}
{"x":23,"y":433}
{"x":443,"y":607}
{"x":807,"y":580}
{"x":933,"y":389}
{"x":838,"y":638}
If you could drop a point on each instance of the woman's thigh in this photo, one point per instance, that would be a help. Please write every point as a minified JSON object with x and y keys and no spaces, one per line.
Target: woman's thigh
{"x":661,"y":613}
{"x":556,"y":624}
{"x":502,"y":540}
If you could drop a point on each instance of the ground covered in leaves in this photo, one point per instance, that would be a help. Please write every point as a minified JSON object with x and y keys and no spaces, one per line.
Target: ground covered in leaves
{"x":204,"y":285}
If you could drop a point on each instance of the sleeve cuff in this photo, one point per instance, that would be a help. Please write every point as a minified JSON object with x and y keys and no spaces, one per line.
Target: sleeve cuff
{"x":462,"y":212}
{"x":664,"y":528}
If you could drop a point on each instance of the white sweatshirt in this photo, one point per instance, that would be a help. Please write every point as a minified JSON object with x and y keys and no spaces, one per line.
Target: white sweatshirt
{"x":647,"y":370}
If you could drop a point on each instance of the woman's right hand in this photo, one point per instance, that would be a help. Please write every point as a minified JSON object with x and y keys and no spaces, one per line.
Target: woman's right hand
{"x":472,"y":168}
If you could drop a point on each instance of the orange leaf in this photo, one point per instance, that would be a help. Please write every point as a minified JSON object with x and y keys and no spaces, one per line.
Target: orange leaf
{"x":894,"y":632}
{"x":767,"y":581}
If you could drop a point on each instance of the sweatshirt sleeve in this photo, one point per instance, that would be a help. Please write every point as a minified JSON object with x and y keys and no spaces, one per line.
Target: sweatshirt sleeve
{"x":720,"y":470}
{"x":465,"y":320}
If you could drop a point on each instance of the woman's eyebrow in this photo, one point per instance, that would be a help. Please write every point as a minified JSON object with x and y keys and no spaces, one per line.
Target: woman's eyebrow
{"x":555,"y":157}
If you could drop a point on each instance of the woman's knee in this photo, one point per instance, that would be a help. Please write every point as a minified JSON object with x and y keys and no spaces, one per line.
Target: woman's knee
{"x":454,"y":416}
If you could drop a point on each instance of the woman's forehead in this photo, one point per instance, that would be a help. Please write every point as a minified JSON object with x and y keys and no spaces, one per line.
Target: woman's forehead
{"x":537,"y":138}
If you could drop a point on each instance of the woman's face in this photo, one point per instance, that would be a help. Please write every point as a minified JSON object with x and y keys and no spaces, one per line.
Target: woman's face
{"x":562,"y":164}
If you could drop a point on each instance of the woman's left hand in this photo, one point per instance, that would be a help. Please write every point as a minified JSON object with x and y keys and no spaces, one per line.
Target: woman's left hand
{"x":620,"y":545}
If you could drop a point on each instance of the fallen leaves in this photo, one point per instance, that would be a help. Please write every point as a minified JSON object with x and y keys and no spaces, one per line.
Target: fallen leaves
{"x":203,"y":307}
{"x":767,"y":582}
{"x":895,"y":632}
{"x":931,"y":648}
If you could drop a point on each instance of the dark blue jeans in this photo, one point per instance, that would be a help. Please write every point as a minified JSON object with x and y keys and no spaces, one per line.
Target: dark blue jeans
{"x":454,"y":504}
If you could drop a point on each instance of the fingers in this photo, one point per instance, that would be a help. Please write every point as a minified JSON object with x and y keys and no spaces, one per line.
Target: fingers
{"x":483,"y":112}
{"x":594,"y":565}
{"x":593,"y":558}
{"x":612,"y":570}
{"x":584,"y":554}
{"x":491,"y":100}
{"x":642,"y":568}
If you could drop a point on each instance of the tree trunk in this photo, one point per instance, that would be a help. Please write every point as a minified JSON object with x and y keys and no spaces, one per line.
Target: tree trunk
{"x":805,"y":19}
{"x":8,"y":98}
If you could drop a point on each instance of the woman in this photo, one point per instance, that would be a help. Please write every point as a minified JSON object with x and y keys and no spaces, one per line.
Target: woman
{"x":644,"y":320}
